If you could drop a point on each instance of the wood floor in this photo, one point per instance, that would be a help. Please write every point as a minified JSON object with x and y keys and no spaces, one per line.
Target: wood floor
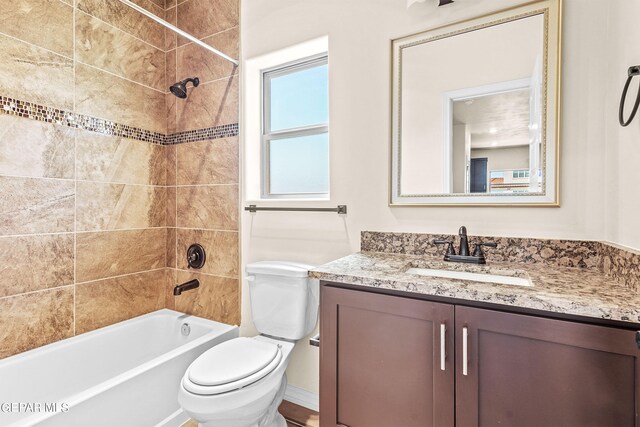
{"x":299,"y":416}
{"x":296,"y":416}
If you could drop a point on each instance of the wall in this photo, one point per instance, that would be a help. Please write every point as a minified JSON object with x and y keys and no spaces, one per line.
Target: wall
{"x":623,"y":144}
{"x":359,"y":74}
{"x":203,"y":175}
{"x":83,"y":212}
{"x":504,"y":158}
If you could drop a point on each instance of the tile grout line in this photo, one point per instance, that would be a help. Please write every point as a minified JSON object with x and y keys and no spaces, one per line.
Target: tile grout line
{"x":36,"y":46}
{"x":123,"y":31}
{"x":121,"y":77}
{"x":69,"y":285}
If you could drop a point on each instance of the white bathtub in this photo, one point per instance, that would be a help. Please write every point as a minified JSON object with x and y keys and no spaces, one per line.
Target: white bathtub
{"x":122,"y":375}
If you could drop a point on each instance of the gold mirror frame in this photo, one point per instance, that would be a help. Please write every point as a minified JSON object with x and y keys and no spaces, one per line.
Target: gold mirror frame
{"x":550,"y":197}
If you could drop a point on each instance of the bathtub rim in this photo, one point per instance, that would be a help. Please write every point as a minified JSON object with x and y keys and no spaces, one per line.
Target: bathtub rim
{"x":78,"y":398}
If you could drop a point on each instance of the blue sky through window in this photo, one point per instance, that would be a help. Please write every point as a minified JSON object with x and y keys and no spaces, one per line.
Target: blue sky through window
{"x":300,"y":99}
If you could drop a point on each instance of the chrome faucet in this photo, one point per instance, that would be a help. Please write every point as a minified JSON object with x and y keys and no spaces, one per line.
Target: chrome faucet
{"x":463,"y":253}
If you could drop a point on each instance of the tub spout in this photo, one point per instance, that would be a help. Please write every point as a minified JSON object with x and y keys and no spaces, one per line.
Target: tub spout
{"x":191,"y":284}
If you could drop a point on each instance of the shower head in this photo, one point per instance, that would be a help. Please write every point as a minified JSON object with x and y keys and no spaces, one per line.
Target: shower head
{"x":180,"y":89}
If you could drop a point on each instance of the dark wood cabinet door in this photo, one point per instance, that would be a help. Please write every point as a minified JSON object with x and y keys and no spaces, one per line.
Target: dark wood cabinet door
{"x":380,"y":361}
{"x":524,"y":371}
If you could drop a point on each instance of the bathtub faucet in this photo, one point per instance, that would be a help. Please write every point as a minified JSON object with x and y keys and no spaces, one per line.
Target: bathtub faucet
{"x":191,"y":284}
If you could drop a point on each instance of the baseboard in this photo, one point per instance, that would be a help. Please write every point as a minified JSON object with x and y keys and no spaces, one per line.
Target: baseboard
{"x":302,"y":397}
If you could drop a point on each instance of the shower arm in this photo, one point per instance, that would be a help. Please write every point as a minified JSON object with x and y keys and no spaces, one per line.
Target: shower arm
{"x":177,"y":30}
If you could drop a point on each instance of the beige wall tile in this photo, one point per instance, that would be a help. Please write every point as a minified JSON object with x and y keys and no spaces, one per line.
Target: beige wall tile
{"x":171,"y":104}
{"x":171,"y":69}
{"x":196,"y":61}
{"x":170,"y":277}
{"x":112,"y":253}
{"x":103,"y":95}
{"x":31,"y":205}
{"x":171,"y":248}
{"x":32,"y":263}
{"x":217,"y":298}
{"x":109,"y":301}
{"x":212,"y":161}
{"x":203,"y":18}
{"x":210,"y":104}
{"x":33,"y":320}
{"x":102,"y":206}
{"x":35,"y":149}
{"x":169,"y":3}
{"x":170,"y":38}
{"x":119,"y":160}
{"x":211,"y":207}
{"x":125,"y":18}
{"x":171,"y":206}
{"x":35,"y":21}
{"x":113,"y":50}
{"x":221,"y":248}
{"x":35,"y":75}
{"x":170,"y":151}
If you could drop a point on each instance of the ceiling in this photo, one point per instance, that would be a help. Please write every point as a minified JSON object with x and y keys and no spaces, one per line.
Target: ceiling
{"x":495,"y":120}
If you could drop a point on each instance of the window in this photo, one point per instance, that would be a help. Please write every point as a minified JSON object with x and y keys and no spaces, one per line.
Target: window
{"x":295,"y":130}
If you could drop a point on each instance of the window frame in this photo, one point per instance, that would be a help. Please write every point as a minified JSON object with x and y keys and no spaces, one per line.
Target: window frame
{"x":267,"y":135}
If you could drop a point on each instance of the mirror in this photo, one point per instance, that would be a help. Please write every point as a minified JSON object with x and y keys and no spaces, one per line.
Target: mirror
{"x":475,"y":111}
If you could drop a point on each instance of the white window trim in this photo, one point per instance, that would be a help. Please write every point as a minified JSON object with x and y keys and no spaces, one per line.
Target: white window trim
{"x":251,"y":116}
{"x":267,"y":135}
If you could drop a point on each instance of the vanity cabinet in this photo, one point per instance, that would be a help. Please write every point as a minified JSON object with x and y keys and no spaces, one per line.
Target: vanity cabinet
{"x":381,"y":363}
{"x":390,"y":361}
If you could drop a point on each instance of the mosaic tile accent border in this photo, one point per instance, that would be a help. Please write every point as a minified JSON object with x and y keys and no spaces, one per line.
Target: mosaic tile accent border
{"x":222,"y":131}
{"x":42,"y":113}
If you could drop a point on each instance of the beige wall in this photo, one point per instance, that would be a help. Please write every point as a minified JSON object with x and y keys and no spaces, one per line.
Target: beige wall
{"x":84,"y":216}
{"x":359,"y":34}
{"x":623,"y":144}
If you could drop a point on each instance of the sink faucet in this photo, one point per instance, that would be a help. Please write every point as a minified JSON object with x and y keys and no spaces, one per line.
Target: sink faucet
{"x":191,"y":284}
{"x":463,"y":253}
{"x":464,"y":242}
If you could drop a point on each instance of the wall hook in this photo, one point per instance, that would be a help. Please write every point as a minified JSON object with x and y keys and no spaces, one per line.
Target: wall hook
{"x":633,"y":71}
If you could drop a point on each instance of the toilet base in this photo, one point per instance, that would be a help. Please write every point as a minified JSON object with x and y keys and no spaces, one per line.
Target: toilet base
{"x":271,"y":418}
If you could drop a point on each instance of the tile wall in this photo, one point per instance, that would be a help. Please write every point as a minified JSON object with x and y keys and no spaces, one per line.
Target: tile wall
{"x":90,"y":223}
{"x":202,"y":179}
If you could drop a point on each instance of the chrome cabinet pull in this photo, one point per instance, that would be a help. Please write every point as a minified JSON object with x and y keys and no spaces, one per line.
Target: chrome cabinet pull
{"x":465,"y":350}
{"x":443,"y":354}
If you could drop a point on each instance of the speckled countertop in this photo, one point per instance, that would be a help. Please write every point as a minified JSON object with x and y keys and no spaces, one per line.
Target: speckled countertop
{"x":574,"y":291}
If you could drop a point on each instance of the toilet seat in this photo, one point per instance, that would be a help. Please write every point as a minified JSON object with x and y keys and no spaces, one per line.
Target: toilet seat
{"x":231,"y":365}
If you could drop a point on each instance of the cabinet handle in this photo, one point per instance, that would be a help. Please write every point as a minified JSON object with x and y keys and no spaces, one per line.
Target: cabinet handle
{"x":443,"y":354}
{"x":465,"y":350}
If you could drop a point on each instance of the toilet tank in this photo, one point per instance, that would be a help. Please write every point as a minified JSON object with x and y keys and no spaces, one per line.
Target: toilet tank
{"x":284,"y":300}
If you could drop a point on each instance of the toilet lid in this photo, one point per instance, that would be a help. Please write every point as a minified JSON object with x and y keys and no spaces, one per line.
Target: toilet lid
{"x":233,"y":361}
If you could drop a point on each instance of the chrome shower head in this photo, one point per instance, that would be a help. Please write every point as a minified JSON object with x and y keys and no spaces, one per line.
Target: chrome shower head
{"x":180,"y":89}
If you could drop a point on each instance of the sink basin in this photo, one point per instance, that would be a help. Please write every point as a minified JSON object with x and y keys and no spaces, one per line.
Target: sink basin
{"x":475,"y":277}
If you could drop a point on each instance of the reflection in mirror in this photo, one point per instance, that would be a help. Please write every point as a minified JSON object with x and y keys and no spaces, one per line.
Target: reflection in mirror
{"x":474,"y":111}
{"x":496,"y":143}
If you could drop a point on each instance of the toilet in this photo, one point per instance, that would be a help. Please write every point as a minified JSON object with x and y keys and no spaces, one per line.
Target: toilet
{"x":241,"y":382}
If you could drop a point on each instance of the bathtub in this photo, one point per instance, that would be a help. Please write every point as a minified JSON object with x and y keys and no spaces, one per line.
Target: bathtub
{"x":122,"y":375}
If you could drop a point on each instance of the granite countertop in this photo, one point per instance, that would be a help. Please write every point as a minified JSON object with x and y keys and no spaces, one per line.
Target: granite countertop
{"x":573,"y":291}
